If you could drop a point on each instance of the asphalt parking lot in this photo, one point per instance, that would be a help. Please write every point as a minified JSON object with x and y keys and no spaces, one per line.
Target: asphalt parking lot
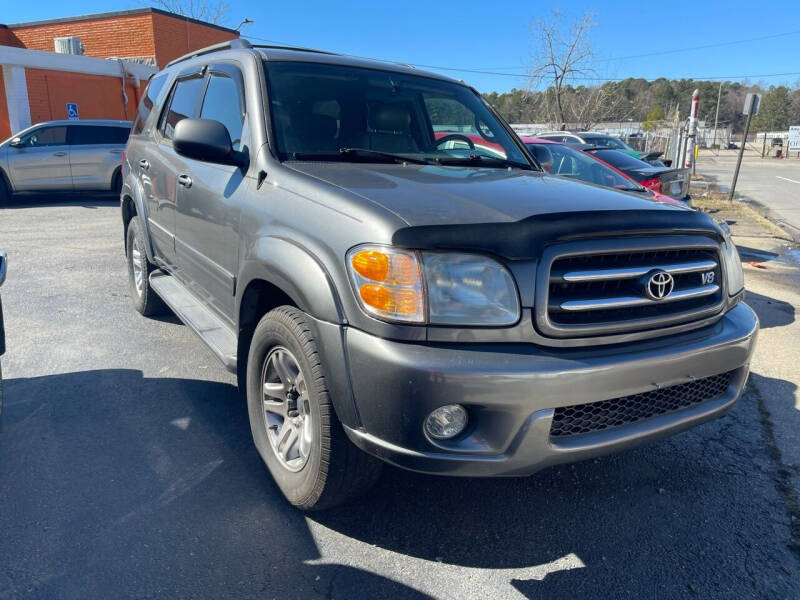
{"x":127,"y":471}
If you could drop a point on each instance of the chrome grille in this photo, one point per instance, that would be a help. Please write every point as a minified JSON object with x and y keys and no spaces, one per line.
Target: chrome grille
{"x":601,"y":292}
{"x":605,"y":414}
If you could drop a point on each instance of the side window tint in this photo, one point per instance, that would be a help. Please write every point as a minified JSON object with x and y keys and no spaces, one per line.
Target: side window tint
{"x":96,"y":134}
{"x":224,"y":103}
{"x":47,"y":136}
{"x":182,"y":106}
{"x":148,"y":101}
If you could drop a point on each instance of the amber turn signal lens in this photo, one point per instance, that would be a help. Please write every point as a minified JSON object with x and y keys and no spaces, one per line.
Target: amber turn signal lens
{"x":371,"y":264}
{"x":399,"y":301}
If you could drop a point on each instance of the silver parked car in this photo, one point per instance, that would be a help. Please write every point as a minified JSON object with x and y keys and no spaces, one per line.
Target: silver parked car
{"x":64,"y":156}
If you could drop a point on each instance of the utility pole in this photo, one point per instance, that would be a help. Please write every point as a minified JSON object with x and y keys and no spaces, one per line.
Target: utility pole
{"x":691,"y":130}
{"x":752,"y":108}
{"x":716,"y":118}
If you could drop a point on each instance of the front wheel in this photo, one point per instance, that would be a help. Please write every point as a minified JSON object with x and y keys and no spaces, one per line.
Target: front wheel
{"x":294,"y":424}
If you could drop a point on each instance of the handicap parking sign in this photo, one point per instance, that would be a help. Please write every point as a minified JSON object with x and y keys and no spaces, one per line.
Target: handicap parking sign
{"x":72,"y":111}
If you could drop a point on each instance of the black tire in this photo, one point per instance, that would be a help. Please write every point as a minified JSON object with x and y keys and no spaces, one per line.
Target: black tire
{"x":335,"y":470}
{"x":145,"y":300}
{"x":5,"y":193}
{"x":116,"y":184}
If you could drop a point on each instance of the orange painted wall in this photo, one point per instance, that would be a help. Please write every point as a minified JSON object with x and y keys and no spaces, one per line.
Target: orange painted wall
{"x":97,"y":96}
{"x":175,"y":37}
{"x":121,"y":36}
{"x":5,"y":129}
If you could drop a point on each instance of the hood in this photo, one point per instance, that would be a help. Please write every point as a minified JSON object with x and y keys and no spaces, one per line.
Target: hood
{"x":434,"y":195}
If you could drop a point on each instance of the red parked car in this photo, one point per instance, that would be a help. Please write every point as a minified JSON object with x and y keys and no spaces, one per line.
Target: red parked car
{"x":567,"y":161}
{"x":557,"y":159}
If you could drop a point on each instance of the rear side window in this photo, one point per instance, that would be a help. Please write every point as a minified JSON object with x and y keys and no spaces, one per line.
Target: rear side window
{"x":97,"y":134}
{"x":148,"y":101}
{"x":224,"y":103}
{"x":182,"y":105}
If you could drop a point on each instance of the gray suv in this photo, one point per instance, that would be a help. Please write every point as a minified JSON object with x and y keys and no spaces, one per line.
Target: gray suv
{"x":382,"y":297}
{"x":64,"y":156}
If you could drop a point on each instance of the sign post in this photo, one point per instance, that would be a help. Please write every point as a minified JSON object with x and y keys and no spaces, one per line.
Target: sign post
{"x":751,"y":103}
{"x":794,"y":139}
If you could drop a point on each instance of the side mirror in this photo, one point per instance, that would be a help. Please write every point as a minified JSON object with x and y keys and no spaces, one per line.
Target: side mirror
{"x":206,"y":140}
{"x":16,"y":143}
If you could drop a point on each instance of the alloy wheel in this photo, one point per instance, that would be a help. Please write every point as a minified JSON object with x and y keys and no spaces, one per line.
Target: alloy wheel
{"x":286,"y":409}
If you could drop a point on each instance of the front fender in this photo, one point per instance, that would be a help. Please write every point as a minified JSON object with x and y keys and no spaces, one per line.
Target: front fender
{"x":132,"y":188}
{"x":290,"y":266}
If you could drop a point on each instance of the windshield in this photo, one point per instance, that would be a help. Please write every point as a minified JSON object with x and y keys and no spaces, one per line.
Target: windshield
{"x":342,"y":113}
{"x":568,"y":162}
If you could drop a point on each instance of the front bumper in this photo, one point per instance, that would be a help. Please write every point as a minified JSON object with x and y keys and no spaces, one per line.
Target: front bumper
{"x":511,"y":392}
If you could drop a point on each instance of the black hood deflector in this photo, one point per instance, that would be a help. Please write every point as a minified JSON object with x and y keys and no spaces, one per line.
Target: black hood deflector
{"x":525,"y":239}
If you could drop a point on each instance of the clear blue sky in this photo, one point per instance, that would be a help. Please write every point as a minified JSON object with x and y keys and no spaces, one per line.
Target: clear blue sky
{"x":496,"y":35}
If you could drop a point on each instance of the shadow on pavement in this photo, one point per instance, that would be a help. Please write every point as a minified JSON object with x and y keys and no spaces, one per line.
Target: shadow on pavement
{"x":771,"y":311}
{"x":115,"y":485}
{"x":119,"y":485}
{"x":84,"y":200}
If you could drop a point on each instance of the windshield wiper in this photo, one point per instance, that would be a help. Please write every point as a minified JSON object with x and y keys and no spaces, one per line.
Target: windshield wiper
{"x":485,"y":161}
{"x":366,"y":152}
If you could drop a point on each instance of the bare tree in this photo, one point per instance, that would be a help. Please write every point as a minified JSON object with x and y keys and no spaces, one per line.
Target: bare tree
{"x":211,"y":11}
{"x":562,"y":55}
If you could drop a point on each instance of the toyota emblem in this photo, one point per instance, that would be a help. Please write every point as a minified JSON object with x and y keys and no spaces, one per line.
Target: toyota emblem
{"x":659,"y":285}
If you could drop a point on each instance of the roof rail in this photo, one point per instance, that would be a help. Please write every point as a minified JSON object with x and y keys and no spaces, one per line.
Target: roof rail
{"x":233,"y":44}
{"x":295,"y":48}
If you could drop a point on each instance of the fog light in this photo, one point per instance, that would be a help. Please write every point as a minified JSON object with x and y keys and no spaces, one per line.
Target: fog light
{"x":446,"y":422}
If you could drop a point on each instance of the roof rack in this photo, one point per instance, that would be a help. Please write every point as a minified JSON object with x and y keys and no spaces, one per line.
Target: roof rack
{"x":241,"y":43}
{"x":233,"y":44}
{"x":295,"y":48}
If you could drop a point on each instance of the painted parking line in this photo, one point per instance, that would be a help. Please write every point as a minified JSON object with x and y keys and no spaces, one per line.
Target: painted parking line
{"x":787,"y":179}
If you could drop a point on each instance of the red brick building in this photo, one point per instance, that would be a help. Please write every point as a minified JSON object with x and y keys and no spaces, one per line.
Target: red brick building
{"x":37,"y":82}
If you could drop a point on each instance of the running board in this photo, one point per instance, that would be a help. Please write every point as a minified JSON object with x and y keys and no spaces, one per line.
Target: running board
{"x":216,"y":334}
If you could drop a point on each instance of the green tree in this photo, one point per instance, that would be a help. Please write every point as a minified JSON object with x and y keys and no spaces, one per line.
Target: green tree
{"x":774,"y":112}
{"x":654,"y":117}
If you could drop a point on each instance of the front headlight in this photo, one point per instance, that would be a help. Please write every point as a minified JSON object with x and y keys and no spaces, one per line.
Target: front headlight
{"x":459,"y":289}
{"x":732,"y":263}
{"x":469,"y":289}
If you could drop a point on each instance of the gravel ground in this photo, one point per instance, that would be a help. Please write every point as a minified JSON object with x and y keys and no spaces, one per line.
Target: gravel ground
{"x":127,"y":471}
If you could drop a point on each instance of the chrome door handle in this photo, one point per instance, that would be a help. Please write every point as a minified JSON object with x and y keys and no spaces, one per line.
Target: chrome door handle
{"x":144,"y":164}
{"x":185,"y":181}
{"x":59,"y":153}
{"x":115,"y":151}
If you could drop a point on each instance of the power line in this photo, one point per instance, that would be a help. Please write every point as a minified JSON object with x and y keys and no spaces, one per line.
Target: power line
{"x":703,"y":47}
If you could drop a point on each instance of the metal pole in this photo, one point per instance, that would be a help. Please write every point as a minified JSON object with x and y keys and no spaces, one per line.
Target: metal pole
{"x":691,"y":130}
{"x":716,"y":118}
{"x":741,"y":148}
